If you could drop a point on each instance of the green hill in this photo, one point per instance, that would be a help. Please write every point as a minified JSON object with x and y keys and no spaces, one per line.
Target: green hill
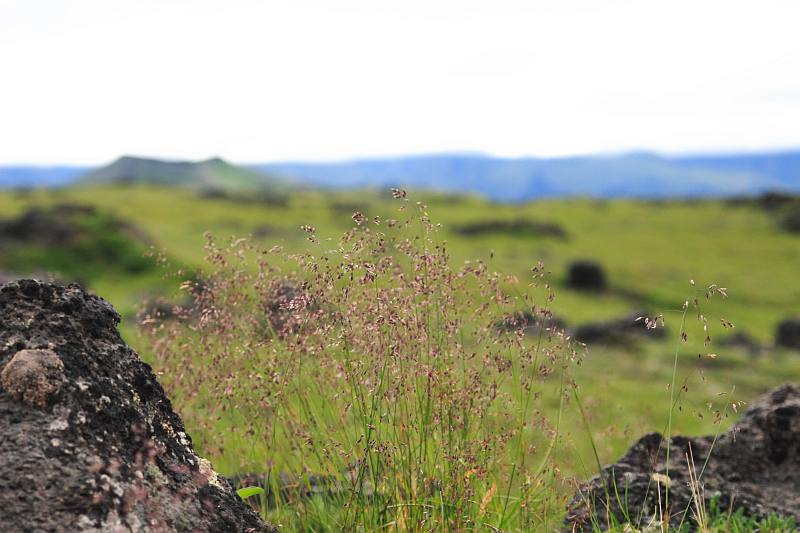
{"x":211,"y":174}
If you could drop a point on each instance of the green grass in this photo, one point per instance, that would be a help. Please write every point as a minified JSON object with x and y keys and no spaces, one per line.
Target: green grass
{"x":650,"y":252}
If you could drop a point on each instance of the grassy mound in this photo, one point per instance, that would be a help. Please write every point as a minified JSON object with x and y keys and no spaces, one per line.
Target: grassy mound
{"x":72,"y":241}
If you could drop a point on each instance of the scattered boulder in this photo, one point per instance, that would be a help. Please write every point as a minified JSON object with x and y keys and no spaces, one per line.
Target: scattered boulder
{"x":262,"y":231}
{"x":269,"y":198}
{"x":787,"y":335}
{"x":348,"y":208}
{"x":586,"y":276}
{"x":618,"y":331}
{"x":522,"y":227}
{"x":288,"y":307}
{"x":768,"y":201}
{"x":775,"y":200}
{"x":742,"y":341}
{"x":532,"y":324}
{"x":754,"y":466}
{"x":88,"y":438}
{"x":790,"y":219}
{"x":157,"y":309}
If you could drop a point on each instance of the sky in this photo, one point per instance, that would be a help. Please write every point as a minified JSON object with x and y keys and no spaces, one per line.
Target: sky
{"x":84,"y":81}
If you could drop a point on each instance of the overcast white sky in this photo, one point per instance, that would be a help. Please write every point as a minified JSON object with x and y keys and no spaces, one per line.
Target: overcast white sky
{"x":84,"y":81}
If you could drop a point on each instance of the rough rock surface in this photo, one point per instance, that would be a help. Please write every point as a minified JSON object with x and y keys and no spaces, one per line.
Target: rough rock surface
{"x":31,"y":376}
{"x":88,"y":439}
{"x":754,"y":466}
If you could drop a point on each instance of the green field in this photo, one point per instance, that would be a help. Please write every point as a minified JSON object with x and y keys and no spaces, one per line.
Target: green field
{"x":650,"y":251}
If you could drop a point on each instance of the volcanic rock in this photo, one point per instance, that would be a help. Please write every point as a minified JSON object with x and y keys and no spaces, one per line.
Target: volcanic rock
{"x":743,"y":341}
{"x":618,"y":331}
{"x":88,"y":439}
{"x":787,"y":334}
{"x":31,"y":376}
{"x":755,"y":466}
{"x":543,"y":321}
{"x":586,"y":276}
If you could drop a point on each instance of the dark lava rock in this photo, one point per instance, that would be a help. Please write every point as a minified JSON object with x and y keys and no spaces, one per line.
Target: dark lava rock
{"x":787,"y":334}
{"x":586,"y":276}
{"x":742,"y":341}
{"x":543,"y":321}
{"x":754,"y":466}
{"x":288,"y":307}
{"x":769,"y":201}
{"x":790,"y":220}
{"x":518,"y":226}
{"x":618,"y":331}
{"x":88,"y":439}
{"x":51,"y":226}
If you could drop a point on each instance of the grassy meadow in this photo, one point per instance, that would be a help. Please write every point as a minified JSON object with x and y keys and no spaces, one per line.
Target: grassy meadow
{"x":505,"y":456}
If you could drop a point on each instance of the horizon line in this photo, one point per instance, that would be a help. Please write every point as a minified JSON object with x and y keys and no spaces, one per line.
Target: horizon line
{"x":424,"y":154}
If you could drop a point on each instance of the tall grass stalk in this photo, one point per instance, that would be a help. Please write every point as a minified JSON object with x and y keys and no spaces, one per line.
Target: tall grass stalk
{"x":376,"y":386}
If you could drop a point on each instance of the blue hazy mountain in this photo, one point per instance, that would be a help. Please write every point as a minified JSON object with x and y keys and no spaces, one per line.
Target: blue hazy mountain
{"x":642,"y":175}
{"x":784,"y":167}
{"x":21,"y":176}
{"x":630,"y":175}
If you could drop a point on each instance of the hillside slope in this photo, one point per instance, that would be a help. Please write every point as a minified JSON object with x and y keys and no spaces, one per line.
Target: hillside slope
{"x":213,"y":173}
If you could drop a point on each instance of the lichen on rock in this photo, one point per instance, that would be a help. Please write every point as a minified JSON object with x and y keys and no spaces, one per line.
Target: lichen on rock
{"x":31,"y":376}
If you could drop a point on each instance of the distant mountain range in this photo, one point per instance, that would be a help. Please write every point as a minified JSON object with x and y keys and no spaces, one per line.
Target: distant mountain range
{"x":23,"y":176}
{"x":642,"y":175}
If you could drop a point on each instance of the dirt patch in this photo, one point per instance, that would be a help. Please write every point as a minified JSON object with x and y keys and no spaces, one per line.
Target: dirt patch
{"x":754,"y":466}
{"x":88,"y":438}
